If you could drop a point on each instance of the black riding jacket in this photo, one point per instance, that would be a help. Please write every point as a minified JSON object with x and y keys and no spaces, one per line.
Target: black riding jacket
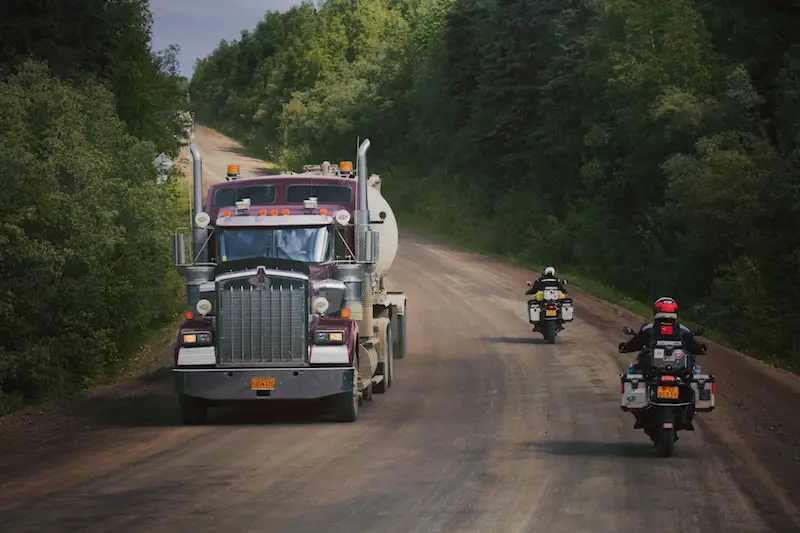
{"x":546,"y":281}
{"x":652,"y":331}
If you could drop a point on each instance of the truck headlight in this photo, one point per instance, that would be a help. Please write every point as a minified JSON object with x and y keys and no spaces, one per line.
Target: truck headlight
{"x":329,"y":337}
{"x":196,"y":338}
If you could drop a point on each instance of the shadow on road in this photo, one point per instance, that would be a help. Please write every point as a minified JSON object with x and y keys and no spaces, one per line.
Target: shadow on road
{"x":515,"y":340}
{"x":630,"y":450}
{"x":156,"y":405}
{"x":259,"y":171}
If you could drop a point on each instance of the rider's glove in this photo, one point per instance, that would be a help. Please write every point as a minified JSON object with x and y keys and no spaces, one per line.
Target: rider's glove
{"x":621,"y":347}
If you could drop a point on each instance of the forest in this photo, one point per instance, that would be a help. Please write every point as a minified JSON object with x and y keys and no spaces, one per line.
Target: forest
{"x":85,"y":269}
{"x":651,"y":146}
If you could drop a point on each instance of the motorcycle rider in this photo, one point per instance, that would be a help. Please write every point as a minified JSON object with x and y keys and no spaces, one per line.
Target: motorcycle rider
{"x":665,"y":326}
{"x":547,"y":279}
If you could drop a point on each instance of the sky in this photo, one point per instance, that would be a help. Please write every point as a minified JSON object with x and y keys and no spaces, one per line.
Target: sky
{"x":198,"y":26}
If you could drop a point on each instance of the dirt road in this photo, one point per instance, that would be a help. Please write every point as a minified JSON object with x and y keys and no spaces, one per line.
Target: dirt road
{"x":486,"y":429}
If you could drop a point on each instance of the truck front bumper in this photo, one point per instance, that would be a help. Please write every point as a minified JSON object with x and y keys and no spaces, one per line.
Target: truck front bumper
{"x":223,"y":384}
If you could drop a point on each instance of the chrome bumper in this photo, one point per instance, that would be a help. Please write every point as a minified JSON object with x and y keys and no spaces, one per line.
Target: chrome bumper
{"x":290,"y":383}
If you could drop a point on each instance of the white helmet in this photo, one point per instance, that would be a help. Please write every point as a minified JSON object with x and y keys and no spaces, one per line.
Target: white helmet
{"x":550,"y":271}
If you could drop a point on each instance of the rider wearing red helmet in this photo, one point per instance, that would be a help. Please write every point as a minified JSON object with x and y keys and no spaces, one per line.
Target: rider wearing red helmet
{"x":665,"y":326}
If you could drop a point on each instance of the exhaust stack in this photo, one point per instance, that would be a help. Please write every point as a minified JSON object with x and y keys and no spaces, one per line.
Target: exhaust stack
{"x":362,"y":215}
{"x":199,"y":253}
{"x":364,"y":239}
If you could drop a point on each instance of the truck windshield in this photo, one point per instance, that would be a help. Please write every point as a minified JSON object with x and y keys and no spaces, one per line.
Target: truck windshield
{"x":309,"y":245}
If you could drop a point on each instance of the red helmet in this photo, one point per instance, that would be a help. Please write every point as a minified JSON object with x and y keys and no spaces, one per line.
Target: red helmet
{"x":665,"y":307}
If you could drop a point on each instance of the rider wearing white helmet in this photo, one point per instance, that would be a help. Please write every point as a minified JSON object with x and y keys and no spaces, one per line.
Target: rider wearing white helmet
{"x":547,"y":279}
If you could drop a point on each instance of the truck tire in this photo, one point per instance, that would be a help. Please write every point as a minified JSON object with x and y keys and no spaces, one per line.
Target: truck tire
{"x":399,"y":349}
{"x":389,"y":355}
{"x":193,"y":410}
{"x":345,"y":405}
{"x":387,"y":366}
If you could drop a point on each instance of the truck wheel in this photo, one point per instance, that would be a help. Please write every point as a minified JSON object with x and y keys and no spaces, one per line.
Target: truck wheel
{"x":399,"y":349}
{"x":386,"y":372}
{"x":389,"y":355}
{"x":345,"y":405}
{"x":193,"y":410}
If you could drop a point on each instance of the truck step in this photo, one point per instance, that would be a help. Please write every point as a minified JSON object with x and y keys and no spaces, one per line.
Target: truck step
{"x":371,"y":340}
{"x":377,"y":379}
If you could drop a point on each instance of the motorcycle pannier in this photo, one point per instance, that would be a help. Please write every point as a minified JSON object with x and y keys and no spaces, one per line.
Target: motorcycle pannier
{"x":567,"y":310}
{"x":534,"y":311}
{"x":634,"y":392}
{"x":704,"y":392}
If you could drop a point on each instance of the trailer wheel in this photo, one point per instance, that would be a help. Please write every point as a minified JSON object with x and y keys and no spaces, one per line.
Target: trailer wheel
{"x":193,"y":410}
{"x":399,"y":349}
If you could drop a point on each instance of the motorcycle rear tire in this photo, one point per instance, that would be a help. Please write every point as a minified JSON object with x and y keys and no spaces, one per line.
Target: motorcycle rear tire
{"x":665,"y":442}
{"x":550,"y":333}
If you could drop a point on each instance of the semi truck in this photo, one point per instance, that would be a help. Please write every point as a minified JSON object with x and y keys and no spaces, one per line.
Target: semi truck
{"x":286,"y":291}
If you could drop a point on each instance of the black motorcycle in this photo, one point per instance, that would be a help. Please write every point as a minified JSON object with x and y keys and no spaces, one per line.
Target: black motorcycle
{"x":665,"y":391}
{"x":548,"y":311}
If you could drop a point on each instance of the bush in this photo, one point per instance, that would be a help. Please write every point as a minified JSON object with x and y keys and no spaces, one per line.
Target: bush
{"x":84,"y":231}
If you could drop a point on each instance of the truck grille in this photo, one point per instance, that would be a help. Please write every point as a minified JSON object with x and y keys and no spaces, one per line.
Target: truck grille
{"x":263,"y":324}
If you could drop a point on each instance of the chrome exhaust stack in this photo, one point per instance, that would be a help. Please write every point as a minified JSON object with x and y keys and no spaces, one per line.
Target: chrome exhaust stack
{"x":362,"y":214}
{"x":365,"y":240}
{"x":197,"y":271}
{"x":199,"y":251}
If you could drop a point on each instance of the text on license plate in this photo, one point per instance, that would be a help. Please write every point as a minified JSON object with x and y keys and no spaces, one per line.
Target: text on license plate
{"x":550,"y":312}
{"x":667,"y":393}
{"x":262,"y":384}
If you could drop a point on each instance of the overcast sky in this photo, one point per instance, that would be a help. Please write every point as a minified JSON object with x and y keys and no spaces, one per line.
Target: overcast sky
{"x":197,"y":26}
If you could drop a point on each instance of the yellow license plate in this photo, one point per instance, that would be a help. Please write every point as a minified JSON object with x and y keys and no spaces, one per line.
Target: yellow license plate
{"x":550,"y":312}
{"x":262,"y":384}
{"x":667,"y":393}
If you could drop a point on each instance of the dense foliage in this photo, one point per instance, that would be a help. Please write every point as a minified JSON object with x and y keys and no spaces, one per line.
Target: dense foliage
{"x":85,"y":270}
{"x":651,"y":145}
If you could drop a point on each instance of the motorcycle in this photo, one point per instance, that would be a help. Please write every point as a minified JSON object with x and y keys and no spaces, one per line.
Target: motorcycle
{"x":557,"y":310}
{"x":666,"y":391}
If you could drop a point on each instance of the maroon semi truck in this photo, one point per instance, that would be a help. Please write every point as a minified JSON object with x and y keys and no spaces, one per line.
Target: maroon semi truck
{"x":286,"y":294}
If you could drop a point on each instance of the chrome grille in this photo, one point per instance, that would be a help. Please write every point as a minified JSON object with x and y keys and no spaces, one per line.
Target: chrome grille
{"x":263,"y":324}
